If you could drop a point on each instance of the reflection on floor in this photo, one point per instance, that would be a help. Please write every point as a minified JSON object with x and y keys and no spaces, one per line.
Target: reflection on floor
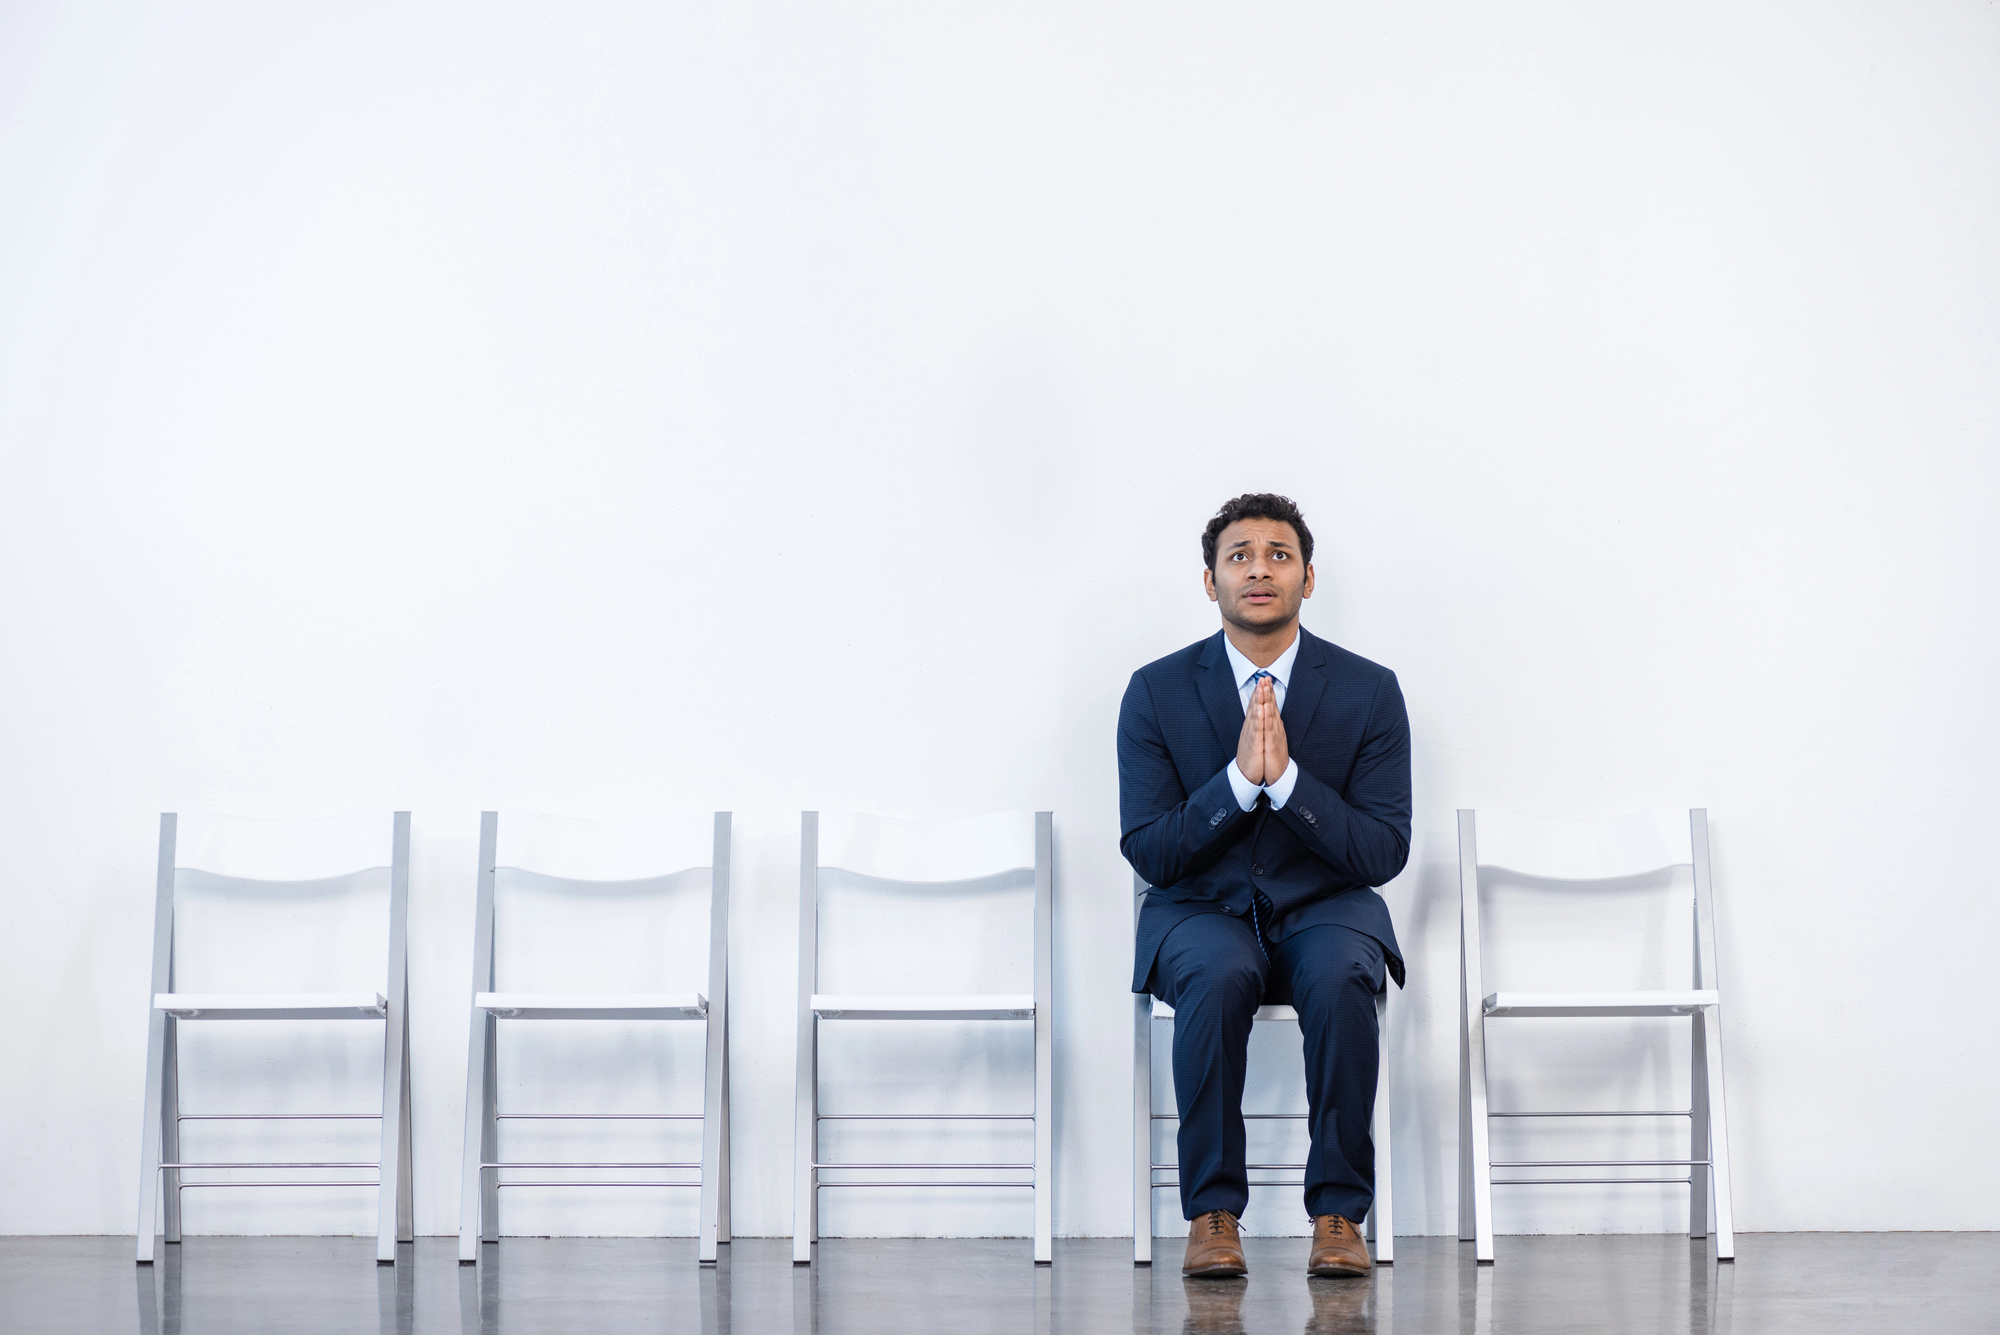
{"x":1826,"y":1283}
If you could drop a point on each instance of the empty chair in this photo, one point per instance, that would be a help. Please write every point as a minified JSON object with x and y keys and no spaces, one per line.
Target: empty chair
{"x":920,"y":854}
{"x":278,"y":858}
{"x":579,"y":857}
{"x":1614,"y":849}
{"x":1147,"y":1010}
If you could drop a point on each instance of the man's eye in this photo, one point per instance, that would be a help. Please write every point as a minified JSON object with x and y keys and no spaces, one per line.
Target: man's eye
{"x":1277,"y":556}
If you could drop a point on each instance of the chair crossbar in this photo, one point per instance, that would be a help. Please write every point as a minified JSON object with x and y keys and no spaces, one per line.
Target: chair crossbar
{"x":277,"y":1117}
{"x":514,"y":1164}
{"x":1599,"y":1181}
{"x":598,"y":1117}
{"x":924,"y":1117}
{"x":1600,"y":1163}
{"x":1663,"y":1112}
{"x":1254,"y":1167}
{"x":1176,"y":1182}
{"x":1026,"y":1166}
{"x":954,"y":1183}
{"x":351,"y":1163}
{"x":562,"y":1182}
{"x":184,"y":1186}
{"x":1248,"y":1117}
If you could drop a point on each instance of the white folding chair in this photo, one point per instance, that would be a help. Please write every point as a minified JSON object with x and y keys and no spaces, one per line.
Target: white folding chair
{"x":1591,"y":851}
{"x":929,"y":853}
{"x":578,"y":853}
{"x":273,"y":853}
{"x":1146,"y":1010}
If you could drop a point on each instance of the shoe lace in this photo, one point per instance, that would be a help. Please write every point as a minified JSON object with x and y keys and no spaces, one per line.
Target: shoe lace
{"x":1215,"y":1222}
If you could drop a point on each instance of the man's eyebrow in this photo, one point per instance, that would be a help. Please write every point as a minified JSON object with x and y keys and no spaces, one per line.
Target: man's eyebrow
{"x":1245,"y":542}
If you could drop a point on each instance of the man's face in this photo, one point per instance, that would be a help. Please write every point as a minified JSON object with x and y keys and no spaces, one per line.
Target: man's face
{"x":1259,"y":579}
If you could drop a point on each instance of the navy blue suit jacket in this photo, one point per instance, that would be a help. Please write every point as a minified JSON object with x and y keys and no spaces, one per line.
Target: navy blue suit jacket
{"x":1345,"y":830}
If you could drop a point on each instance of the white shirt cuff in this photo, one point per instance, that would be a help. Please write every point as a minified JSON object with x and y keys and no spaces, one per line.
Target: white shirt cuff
{"x":1281,"y":791}
{"x":1246,"y":791}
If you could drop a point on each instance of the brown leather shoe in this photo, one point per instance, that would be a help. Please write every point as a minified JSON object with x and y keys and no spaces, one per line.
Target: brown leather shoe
{"x":1338,"y":1251}
{"x":1215,"y":1249}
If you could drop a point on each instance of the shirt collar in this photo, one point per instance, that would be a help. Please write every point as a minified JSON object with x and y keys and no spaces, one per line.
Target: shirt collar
{"x":1245,"y":669}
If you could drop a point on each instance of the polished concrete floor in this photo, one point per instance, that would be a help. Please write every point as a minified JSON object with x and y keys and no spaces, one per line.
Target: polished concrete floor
{"x":1827,"y":1283}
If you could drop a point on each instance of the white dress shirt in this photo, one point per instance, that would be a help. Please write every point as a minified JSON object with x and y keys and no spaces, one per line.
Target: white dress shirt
{"x":1280,"y":789}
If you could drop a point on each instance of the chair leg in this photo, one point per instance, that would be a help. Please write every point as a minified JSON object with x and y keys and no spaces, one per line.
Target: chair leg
{"x":151,"y":1135}
{"x":470,"y":1195}
{"x":805,"y":1144}
{"x":1475,"y":1124}
{"x":1382,"y":1214}
{"x":1698,"y":1134}
{"x":1467,"y":1231}
{"x":489,"y":1138}
{"x":1710,"y":1018}
{"x":711,"y":1141}
{"x":170,"y":1132}
{"x":722,"y":1200}
{"x":389,"y":1169}
{"x":406,"y":1156}
{"x":1142,"y":1130}
{"x":1045,"y":1187}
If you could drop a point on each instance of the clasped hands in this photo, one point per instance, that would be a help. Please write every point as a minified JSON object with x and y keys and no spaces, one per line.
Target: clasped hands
{"x":1261,"y":751}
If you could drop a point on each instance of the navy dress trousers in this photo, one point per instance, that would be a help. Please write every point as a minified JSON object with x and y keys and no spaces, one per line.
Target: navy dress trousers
{"x":1271,"y":906}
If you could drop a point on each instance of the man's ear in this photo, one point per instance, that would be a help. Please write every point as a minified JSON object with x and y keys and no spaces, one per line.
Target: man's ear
{"x":1308,"y":591}
{"x":1208,"y":581}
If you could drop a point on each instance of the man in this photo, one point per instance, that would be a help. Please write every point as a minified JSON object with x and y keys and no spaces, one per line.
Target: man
{"x":1264,"y":789}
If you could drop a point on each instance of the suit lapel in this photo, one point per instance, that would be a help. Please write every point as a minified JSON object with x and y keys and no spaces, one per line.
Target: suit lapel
{"x":1307,"y":685}
{"x":1218,"y":694}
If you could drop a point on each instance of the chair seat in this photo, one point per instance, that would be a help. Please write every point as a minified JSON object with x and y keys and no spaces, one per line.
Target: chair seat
{"x":272,"y":1005}
{"x":594,"y":1005}
{"x":1600,"y":1003}
{"x":966,"y":1006}
{"x":1162,"y":1011}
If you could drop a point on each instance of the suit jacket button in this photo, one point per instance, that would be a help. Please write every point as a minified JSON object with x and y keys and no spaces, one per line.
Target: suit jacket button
{"x":1256,"y":871}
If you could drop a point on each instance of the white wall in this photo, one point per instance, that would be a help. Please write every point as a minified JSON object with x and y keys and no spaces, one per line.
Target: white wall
{"x":604,"y":409}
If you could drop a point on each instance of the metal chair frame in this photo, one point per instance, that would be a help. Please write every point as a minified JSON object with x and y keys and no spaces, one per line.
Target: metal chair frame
{"x":814,"y":1008}
{"x":161,"y":1165}
{"x":480,"y":1184}
{"x":1708,"y":1139}
{"x":1381,"y":1228}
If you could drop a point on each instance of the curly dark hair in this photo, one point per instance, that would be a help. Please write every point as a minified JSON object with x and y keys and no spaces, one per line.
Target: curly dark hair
{"x":1257,"y":505}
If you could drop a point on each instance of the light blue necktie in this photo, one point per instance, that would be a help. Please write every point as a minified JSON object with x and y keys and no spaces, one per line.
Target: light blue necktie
{"x":1262,"y":910}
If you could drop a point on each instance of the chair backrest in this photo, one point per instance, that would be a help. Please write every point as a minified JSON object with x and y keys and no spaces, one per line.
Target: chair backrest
{"x":1609,"y":849}
{"x":289,"y":857}
{"x":946,"y":854}
{"x":575,"y":861}
{"x":282,"y":850}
